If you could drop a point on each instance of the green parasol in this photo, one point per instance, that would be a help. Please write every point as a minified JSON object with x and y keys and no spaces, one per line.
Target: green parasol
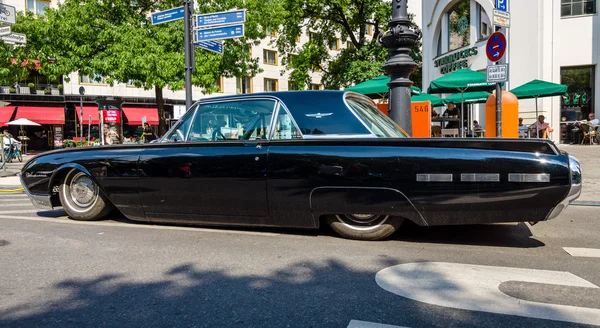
{"x":461,"y":81}
{"x":435,"y":101}
{"x":377,"y":87}
{"x":478,"y":97}
{"x":536,"y":89}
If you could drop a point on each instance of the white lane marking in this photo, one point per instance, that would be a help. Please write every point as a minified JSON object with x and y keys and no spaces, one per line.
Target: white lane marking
{"x":21,"y":211}
{"x":475,"y":288}
{"x":65,"y":220}
{"x":582,"y":252}
{"x":28,"y":204}
{"x":367,"y":324}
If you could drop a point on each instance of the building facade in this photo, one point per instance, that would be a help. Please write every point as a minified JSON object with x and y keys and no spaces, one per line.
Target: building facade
{"x":551,"y":40}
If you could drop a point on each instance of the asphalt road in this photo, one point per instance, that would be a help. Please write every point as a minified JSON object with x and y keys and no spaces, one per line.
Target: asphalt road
{"x":55,"y":272}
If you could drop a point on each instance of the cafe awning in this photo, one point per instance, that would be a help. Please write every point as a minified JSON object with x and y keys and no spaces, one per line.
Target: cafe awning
{"x":5,"y":114}
{"x":42,"y":115}
{"x":377,"y":87}
{"x":87,"y":111}
{"x":134,"y":115}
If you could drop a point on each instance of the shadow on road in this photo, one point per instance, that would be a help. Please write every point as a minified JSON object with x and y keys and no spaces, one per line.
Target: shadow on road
{"x":305,"y":294}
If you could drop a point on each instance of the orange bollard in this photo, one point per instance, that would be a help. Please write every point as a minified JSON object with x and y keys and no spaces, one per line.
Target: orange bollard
{"x":510,"y":116}
{"x":421,"y":119}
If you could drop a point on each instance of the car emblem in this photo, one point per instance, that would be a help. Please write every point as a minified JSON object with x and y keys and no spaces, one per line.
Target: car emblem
{"x":319,"y":115}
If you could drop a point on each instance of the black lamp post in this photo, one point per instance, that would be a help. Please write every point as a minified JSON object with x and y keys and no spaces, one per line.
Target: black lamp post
{"x":399,"y":39}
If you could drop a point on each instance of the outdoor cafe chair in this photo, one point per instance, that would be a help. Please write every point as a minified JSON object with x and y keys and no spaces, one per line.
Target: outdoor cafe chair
{"x":589,"y":133}
{"x":450,"y":132}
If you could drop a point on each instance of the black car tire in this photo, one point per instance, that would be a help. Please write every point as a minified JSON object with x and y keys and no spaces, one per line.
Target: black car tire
{"x":363,"y":226}
{"x":82,"y":199}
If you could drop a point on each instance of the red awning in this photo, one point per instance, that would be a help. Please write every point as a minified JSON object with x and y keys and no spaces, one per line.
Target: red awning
{"x":87,"y":111}
{"x":5,"y":114}
{"x":42,"y":115}
{"x":134,"y":115}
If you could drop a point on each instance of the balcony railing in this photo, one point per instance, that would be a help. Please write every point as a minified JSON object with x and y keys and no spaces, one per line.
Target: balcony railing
{"x":38,"y":89}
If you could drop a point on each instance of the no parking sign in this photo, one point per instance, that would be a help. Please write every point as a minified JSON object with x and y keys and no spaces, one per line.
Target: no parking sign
{"x":495,"y":47}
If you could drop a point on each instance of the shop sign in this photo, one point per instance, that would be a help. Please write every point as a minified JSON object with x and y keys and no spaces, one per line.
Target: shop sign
{"x":111,"y":116}
{"x":455,"y":61}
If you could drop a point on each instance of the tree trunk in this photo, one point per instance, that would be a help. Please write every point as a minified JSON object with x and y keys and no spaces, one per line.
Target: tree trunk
{"x":160,"y":104}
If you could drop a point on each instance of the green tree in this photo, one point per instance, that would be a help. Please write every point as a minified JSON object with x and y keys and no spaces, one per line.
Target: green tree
{"x":327,"y":21}
{"x":116,"y":39}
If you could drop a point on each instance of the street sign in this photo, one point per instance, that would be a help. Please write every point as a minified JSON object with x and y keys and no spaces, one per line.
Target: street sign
{"x":16,"y":38}
{"x":219,"y":33}
{"x":168,"y":15}
{"x":502,"y":5}
{"x":497,"y":73}
{"x":495,"y":47}
{"x":501,"y":18}
{"x":8,"y":14}
{"x":220,"y":18}
{"x":5,"y":30}
{"x":213,"y":46}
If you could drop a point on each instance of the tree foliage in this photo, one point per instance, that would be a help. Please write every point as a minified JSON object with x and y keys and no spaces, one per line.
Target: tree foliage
{"x":326,"y":21}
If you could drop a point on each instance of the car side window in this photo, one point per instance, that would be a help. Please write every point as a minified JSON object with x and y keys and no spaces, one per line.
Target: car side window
{"x":244,"y":119}
{"x":285,"y":128}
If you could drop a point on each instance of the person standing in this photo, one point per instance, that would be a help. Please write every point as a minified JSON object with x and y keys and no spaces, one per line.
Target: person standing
{"x":149,"y":136}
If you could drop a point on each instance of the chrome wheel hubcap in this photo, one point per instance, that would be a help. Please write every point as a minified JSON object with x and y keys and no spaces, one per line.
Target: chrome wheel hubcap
{"x":83,"y":190}
{"x":362,"y":218}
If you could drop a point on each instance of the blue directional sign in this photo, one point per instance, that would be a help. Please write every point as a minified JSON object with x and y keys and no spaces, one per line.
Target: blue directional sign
{"x":167,"y":15}
{"x":220,"y":18}
{"x":220,"y":33}
{"x":502,"y":5}
{"x":211,"y":46}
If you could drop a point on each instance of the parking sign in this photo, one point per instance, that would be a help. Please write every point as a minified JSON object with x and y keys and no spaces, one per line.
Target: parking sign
{"x":502,"y":5}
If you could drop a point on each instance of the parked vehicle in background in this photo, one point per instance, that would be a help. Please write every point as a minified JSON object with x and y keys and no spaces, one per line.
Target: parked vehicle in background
{"x":305,"y":158}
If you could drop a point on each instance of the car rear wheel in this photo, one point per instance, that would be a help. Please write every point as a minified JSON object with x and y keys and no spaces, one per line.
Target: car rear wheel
{"x":364,"y":226}
{"x":82,"y":199}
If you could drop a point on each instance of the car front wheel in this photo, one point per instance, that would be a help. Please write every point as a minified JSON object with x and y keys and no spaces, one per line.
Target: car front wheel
{"x":82,"y":199}
{"x":364,"y":226}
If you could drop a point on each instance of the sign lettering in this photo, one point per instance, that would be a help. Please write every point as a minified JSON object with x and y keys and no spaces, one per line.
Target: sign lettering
{"x":455,"y":61}
{"x":111,"y":116}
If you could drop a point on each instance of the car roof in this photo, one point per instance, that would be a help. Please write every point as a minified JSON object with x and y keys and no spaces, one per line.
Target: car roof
{"x":283,"y":95}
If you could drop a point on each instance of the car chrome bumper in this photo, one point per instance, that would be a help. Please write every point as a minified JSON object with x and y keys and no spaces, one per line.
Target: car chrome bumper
{"x":574,"y":191}
{"x":40,"y":201}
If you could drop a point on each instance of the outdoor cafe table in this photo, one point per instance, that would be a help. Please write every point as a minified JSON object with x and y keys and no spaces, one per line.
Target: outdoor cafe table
{"x":443,"y":120}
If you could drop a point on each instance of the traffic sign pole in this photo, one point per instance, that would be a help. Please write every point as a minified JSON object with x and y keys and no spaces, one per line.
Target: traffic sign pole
{"x":188,"y":6}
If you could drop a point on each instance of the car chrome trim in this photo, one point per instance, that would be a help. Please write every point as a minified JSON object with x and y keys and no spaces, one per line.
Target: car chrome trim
{"x":434,"y":177}
{"x":574,"y":190}
{"x":318,"y":115}
{"x":339,"y":136}
{"x":40,"y":201}
{"x":480,"y":177}
{"x":529,"y":177}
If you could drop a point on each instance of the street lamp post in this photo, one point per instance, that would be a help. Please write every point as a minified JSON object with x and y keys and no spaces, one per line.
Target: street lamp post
{"x":399,"y":39}
{"x":81,"y":93}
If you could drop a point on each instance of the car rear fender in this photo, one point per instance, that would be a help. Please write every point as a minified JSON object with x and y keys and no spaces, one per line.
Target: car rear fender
{"x":363,"y":200}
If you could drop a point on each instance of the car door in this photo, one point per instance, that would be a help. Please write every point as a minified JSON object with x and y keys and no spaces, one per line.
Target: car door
{"x":219,"y":173}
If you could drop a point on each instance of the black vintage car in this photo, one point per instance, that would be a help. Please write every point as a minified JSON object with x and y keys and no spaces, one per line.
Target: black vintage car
{"x":301,"y":159}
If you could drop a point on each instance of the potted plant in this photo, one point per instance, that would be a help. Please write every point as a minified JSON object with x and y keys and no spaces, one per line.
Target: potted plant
{"x":11,"y":90}
{"x":46,"y":91}
{"x":60,"y":88}
{"x":31,"y":87}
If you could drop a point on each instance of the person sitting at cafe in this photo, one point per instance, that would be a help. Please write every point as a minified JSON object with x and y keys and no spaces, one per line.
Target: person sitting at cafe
{"x":452,"y":112}
{"x":8,"y":140}
{"x":592,"y":119}
{"x":522,"y":129}
{"x":543,"y":128}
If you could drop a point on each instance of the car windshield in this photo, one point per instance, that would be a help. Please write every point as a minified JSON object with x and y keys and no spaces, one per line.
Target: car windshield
{"x":381,"y":125}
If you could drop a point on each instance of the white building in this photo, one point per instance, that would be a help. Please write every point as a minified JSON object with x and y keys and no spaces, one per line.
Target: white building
{"x":551,"y":40}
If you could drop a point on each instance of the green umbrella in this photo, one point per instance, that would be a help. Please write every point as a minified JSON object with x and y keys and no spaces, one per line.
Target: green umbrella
{"x":536,"y":89}
{"x":461,"y":81}
{"x":377,"y":87}
{"x":478,"y":97}
{"x":435,"y":101}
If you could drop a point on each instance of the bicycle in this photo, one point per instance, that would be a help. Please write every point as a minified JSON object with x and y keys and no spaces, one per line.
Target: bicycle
{"x":4,"y":11}
{"x":13,"y":151}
